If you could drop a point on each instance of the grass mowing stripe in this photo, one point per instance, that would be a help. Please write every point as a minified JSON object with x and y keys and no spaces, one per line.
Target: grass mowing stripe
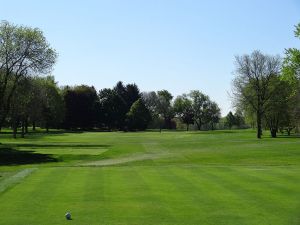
{"x":218,"y":205}
{"x":149,"y":207}
{"x":24,"y":202}
{"x":195,"y":205}
{"x":231,"y":206}
{"x":254,"y":197}
{"x":68,"y":197}
{"x":284,"y":190}
{"x":278,"y":178}
{"x":127,"y":197}
{"x":15,"y":179}
{"x":267,"y":181}
{"x":40,"y":194}
{"x":176,"y":197}
{"x":162,"y":193}
{"x":207,"y":178}
{"x":95,"y":205}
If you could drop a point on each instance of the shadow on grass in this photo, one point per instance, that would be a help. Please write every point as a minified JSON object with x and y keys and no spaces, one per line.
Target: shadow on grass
{"x":286,"y":136}
{"x":9,"y":156}
{"x":62,"y":145}
{"x":215,"y":132}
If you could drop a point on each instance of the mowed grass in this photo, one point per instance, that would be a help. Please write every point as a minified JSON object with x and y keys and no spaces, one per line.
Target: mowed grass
{"x":219,"y":177}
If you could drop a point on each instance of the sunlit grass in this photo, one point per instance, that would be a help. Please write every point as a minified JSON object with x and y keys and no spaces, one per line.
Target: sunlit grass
{"x":219,"y":177}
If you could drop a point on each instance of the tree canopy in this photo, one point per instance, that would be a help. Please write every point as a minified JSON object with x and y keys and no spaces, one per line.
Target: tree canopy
{"x":24,"y":52}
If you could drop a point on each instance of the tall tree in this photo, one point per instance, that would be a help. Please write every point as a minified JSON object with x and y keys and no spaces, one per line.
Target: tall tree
{"x":24,"y":51}
{"x":291,"y":73}
{"x":277,"y":107}
{"x":138,"y":116}
{"x":19,"y":106}
{"x":151,"y":100}
{"x":212,"y":114}
{"x":230,"y":120}
{"x":128,"y":94}
{"x":200,"y":103}
{"x":253,"y":77}
{"x":184,"y":110}
{"x":111,"y":109}
{"x":239,"y":119}
{"x":164,"y":107}
{"x":52,"y":106}
{"x":81,"y":104}
{"x":132,"y":94}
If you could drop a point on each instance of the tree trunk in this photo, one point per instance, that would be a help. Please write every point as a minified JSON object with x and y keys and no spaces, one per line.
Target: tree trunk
{"x":23,"y":129}
{"x":33,"y":125}
{"x":273,"y":132}
{"x":15,"y":129}
{"x":198,"y":125}
{"x":258,"y":120}
{"x":187,"y":127}
{"x":26,"y":126}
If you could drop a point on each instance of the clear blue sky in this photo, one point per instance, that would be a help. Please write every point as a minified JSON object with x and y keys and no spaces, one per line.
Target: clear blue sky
{"x":158,"y":44}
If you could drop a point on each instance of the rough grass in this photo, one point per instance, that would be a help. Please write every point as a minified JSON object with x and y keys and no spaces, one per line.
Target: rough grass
{"x":222,"y":177}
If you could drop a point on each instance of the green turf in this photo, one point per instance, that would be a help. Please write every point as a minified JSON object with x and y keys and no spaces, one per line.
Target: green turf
{"x":220,"y":177}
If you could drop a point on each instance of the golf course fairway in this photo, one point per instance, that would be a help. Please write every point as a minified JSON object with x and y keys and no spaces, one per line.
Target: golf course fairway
{"x":143,"y":178}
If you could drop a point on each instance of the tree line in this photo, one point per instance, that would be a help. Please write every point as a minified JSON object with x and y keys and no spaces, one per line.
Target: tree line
{"x":39,"y":101}
{"x":28,"y":99}
{"x":266,"y":94}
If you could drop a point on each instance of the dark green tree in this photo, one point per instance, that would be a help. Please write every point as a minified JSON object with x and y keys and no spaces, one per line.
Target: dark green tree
{"x":128,"y":94}
{"x":52,"y":105}
{"x":230,"y":120}
{"x":212,"y":114}
{"x":111,"y":109}
{"x":200,"y":103}
{"x":81,"y":107}
{"x":138,"y":116}
{"x":164,"y":108}
{"x":184,"y":110}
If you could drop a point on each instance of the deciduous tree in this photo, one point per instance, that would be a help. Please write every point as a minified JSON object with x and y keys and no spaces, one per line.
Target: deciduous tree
{"x":24,"y":51}
{"x":252,"y":83}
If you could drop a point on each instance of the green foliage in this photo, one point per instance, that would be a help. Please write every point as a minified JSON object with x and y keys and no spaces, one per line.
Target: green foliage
{"x":199,"y":104}
{"x":115,"y":104}
{"x":81,"y":107}
{"x":164,"y":108}
{"x":184,"y":110}
{"x":53,"y":108}
{"x":230,"y":120}
{"x":277,"y":108}
{"x":297,"y":30}
{"x":253,"y":83}
{"x":24,"y":52}
{"x":291,"y":74}
{"x":205,"y":111}
{"x":138,"y":116}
